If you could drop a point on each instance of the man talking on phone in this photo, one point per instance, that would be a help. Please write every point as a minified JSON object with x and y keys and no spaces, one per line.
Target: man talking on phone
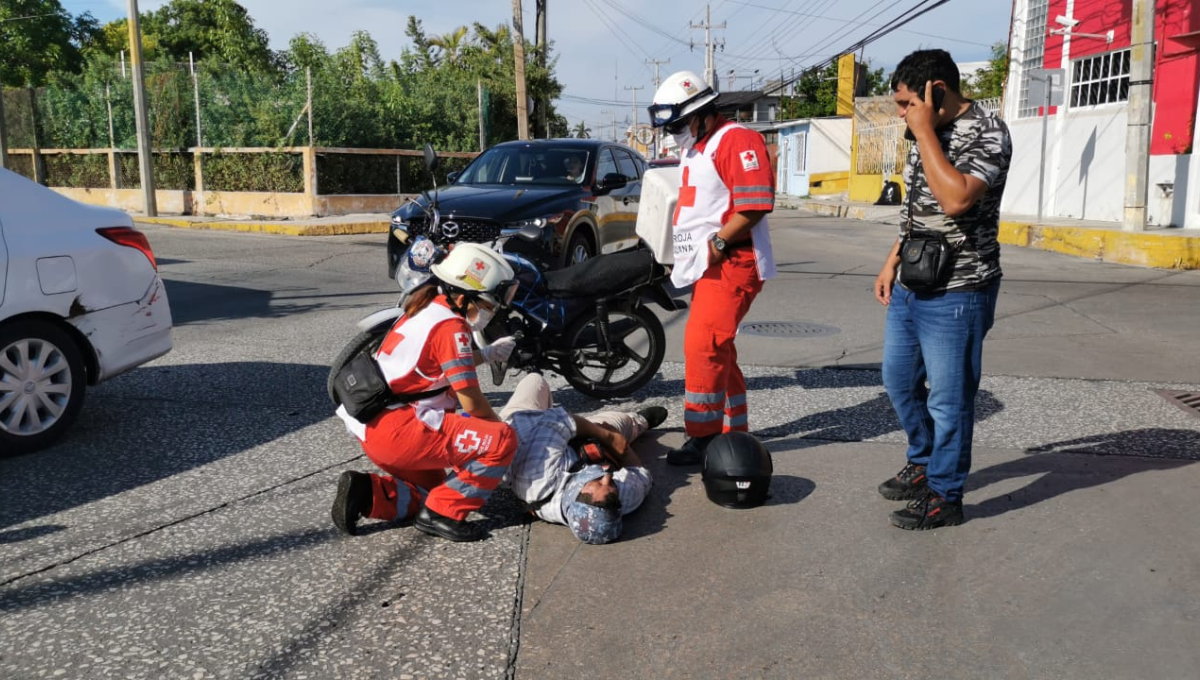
{"x":933,"y":338}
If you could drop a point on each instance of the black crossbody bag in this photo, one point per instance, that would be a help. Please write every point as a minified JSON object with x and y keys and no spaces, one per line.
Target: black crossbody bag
{"x":926,"y":257}
{"x":360,"y":386}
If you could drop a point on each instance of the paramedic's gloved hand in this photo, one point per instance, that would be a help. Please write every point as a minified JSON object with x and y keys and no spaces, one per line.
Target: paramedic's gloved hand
{"x":499,"y":350}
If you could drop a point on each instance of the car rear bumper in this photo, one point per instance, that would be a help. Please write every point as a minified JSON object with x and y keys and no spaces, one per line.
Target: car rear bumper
{"x":129,"y":335}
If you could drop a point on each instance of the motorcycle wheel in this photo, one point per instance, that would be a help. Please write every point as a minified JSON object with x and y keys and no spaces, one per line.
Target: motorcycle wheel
{"x":638,"y":347}
{"x":369,"y":339}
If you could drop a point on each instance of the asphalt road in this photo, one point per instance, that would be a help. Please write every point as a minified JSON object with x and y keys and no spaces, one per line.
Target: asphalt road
{"x":182,"y":529}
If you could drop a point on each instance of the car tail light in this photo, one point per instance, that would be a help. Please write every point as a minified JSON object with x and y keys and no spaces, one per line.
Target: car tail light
{"x":132,"y":238}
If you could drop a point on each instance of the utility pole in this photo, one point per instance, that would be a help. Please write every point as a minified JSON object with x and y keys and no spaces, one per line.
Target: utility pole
{"x":710,"y":61}
{"x":614,"y":125}
{"x":1137,"y":134}
{"x":635,"y":116}
{"x":145,"y":151}
{"x":519,"y":58}
{"x":543,"y":44}
{"x":657,"y":82}
{"x":3,"y":132}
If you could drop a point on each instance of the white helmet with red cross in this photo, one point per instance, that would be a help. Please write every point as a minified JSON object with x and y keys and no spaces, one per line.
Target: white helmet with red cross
{"x":680,"y":95}
{"x":477,"y":271}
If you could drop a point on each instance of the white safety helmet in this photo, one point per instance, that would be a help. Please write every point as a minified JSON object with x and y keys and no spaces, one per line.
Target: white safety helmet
{"x":477,"y":271}
{"x":680,"y":95}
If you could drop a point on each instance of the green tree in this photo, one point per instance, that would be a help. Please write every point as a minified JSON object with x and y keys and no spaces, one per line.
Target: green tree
{"x":989,"y":81}
{"x":582,"y":131}
{"x":208,"y":30}
{"x":40,"y":37}
{"x":816,"y":91}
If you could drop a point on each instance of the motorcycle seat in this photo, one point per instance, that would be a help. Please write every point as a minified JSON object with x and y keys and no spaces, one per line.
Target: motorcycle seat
{"x":604,"y":274}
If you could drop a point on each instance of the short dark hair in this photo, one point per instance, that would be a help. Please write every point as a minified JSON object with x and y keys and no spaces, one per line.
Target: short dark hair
{"x":611,"y":501}
{"x":923,"y":66}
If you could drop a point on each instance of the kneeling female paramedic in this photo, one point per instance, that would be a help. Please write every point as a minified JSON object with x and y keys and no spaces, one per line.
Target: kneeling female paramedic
{"x":428,"y":356}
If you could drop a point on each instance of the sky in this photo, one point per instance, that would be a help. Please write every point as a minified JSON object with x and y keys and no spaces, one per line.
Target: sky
{"x":604,"y":48}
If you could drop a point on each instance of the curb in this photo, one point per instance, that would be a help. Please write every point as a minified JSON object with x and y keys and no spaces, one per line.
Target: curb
{"x":1144,"y":249}
{"x":282,"y":228}
{"x":1161,"y":251}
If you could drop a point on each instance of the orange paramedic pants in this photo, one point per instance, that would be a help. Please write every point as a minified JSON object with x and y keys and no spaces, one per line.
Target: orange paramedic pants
{"x":715,"y":398}
{"x":415,"y":456}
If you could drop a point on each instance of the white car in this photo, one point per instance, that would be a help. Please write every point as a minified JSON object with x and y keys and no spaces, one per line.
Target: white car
{"x":80,"y":302}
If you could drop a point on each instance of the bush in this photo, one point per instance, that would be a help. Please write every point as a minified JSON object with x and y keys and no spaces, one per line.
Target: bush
{"x":283,"y":172}
{"x":77,"y":171}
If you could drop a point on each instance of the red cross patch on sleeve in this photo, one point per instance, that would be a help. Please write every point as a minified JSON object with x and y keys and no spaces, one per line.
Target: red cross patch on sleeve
{"x":462,"y":342}
{"x":749,"y":160}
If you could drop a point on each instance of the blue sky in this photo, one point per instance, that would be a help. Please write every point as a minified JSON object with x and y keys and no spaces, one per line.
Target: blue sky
{"x":603,"y":46}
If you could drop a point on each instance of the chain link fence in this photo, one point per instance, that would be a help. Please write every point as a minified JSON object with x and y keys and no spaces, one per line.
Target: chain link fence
{"x":62,"y":134}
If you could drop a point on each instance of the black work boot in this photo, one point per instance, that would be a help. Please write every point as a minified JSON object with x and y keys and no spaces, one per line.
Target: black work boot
{"x":458,"y":530}
{"x":352,"y":502}
{"x":654,"y":415}
{"x":907,"y":484}
{"x":691,"y":453}
{"x":928,"y":511}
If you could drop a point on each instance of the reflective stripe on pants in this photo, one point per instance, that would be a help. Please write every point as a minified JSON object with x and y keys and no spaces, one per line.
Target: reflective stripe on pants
{"x":479,"y":452}
{"x":715,"y":397}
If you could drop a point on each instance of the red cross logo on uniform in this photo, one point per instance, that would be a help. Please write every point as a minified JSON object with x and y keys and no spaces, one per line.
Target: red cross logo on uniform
{"x":467,"y":443}
{"x":748,"y":156}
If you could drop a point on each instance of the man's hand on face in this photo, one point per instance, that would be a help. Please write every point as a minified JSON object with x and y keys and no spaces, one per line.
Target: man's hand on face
{"x":920,"y":115}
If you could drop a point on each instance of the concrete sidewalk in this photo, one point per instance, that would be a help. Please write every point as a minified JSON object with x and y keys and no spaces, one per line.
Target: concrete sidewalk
{"x":1163,"y":248}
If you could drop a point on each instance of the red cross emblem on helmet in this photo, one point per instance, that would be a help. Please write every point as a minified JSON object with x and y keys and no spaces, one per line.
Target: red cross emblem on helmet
{"x":687,"y":84}
{"x":479,"y":265}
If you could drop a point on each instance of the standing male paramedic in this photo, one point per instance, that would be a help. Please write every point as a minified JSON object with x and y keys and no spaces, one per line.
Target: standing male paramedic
{"x":722,"y":247}
{"x":955,"y":175}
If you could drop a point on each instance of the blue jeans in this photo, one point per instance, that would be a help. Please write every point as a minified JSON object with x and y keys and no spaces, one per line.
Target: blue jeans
{"x":938,"y":338}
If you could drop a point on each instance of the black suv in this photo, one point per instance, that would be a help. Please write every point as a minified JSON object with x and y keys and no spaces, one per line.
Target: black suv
{"x":582,"y":193}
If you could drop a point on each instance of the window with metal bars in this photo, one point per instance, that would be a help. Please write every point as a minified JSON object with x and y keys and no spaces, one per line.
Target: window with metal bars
{"x":1100,"y":79}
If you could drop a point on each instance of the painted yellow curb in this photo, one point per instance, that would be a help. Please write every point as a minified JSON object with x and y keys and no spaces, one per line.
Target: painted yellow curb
{"x":282,"y":228}
{"x":1162,"y":251}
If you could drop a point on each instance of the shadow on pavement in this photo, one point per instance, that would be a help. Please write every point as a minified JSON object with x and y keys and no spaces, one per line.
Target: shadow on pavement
{"x":1082,"y":463}
{"x":156,"y":422}
{"x":201,"y":302}
{"x":38,"y":593}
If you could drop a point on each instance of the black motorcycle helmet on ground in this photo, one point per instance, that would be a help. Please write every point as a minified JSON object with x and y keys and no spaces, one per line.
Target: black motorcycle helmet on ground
{"x":737,"y":470}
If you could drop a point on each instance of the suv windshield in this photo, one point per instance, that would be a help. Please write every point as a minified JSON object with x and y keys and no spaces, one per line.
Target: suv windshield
{"x":525,"y":165}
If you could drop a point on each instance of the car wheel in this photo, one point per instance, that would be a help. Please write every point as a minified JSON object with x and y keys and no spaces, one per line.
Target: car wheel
{"x":42,"y":382}
{"x":579,"y":249}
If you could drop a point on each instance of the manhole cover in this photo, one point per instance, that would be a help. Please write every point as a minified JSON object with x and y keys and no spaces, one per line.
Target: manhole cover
{"x":1188,"y":401}
{"x":788,"y":329}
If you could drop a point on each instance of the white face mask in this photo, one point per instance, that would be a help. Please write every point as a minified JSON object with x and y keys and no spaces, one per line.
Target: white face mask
{"x":481,"y":320}
{"x":684,"y":140}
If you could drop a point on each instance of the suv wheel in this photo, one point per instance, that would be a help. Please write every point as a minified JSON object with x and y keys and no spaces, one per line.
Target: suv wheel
{"x":580,"y":248}
{"x":42,"y":381}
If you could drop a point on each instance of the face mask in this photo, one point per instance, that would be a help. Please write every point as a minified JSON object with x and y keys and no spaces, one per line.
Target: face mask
{"x":684,"y":140}
{"x":481,"y":320}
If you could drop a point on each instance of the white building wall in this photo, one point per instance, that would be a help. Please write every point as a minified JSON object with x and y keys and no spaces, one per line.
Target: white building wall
{"x":829,"y":141}
{"x":1085,"y":159}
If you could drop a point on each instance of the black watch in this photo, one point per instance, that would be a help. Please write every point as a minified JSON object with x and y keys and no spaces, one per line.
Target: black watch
{"x":719,"y":243}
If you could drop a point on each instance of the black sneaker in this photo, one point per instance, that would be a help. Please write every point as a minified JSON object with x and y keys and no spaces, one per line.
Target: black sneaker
{"x":654,"y":415}
{"x":928,"y":511}
{"x":907,"y":484}
{"x":691,"y":453}
{"x":352,"y":502}
{"x":458,"y":530}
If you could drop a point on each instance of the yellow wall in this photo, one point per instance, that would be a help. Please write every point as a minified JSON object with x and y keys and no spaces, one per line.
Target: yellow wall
{"x":828,"y":183}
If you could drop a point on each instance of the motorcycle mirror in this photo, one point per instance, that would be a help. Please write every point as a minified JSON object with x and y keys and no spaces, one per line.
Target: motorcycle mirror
{"x":431,"y":159}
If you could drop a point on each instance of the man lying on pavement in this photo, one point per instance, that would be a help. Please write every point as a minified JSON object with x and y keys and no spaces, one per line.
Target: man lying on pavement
{"x":586,"y":486}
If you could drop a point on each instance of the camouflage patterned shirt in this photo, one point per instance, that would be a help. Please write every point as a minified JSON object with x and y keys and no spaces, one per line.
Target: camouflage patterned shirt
{"x":977,"y":143}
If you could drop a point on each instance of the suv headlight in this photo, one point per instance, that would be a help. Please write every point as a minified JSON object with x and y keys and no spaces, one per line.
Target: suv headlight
{"x":539,"y":222}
